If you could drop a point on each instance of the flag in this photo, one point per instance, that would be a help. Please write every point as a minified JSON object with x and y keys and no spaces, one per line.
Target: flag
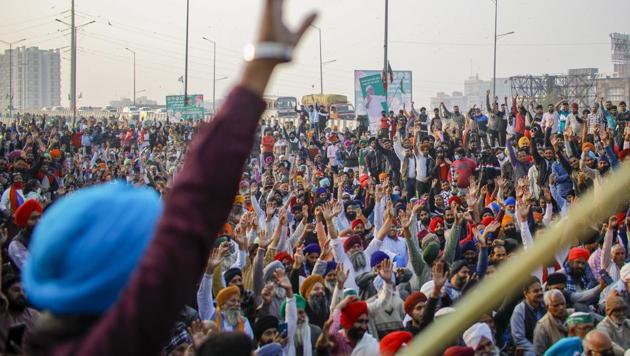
{"x":402,"y":90}
{"x":391,"y":72}
{"x":181,"y":79}
{"x":80,"y":95}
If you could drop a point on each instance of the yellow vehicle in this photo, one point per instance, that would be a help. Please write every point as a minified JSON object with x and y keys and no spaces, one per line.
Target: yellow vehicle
{"x":336,"y":105}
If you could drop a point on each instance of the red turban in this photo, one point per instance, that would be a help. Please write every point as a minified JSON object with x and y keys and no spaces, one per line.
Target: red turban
{"x":364,"y":179}
{"x":459,"y":351}
{"x":55,"y":153}
{"x":579,"y":252}
{"x":351,"y":241}
{"x":392,"y":342}
{"x":454,"y":198}
{"x":434,"y":222}
{"x":487,"y":220}
{"x":413,"y":299}
{"x":351,"y":313}
{"x":281,"y":256}
{"x":24,"y":212}
{"x":357,"y":222}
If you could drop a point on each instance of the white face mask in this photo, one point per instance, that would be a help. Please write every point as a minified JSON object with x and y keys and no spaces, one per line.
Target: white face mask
{"x":457,"y":157}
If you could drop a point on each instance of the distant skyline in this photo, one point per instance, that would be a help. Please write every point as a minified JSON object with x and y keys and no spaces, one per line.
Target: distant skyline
{"x":443,"y":43}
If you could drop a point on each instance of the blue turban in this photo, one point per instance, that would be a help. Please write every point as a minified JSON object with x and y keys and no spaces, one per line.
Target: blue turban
{"x":86,"y":246}
{"x":273,"y":349}
{"x":330,"y":266}
{"x":321,"y":190}
{"x":510,"y":201}
{"x":312,"y":248}
{"x":378,"y":257}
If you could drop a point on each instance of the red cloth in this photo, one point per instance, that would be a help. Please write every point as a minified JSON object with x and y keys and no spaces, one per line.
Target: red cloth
{"x":577,"y":253}
{"x":267,"y":144}
{"x":357,"y":222}
{"x":351,"y":313}
{"x":434,"y":223}
{"x":283,"y":255}
{"x":394,"y":341}
{"x":351,"y":241}
{"x":456,"y":199}
{"x":487,"y":220}
{"x":459,"y":351}
{"x":413,"y":299}
{"x":23,"y":213}
{"x":464,"y":167}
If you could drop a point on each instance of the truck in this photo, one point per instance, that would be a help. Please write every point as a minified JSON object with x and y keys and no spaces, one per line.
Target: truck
{"x":280,"y":108}
{"x":336,"y":105}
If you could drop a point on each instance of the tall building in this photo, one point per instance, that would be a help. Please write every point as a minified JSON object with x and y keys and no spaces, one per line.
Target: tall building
{"x":36,"y":78}
{"x":474,"y":94}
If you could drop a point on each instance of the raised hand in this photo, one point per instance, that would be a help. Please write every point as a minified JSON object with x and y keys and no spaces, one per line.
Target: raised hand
{"x":217,"y":257}
{"x":341,"y":276}
{"x":386,"y":271}
{"x":298,"y":257}
{"x":282,"y":280}
{"x":439,"y":278}
{"x":266,"y":294}
{"x":198,"y":332}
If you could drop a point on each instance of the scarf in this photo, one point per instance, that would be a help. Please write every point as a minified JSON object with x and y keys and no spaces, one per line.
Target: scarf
{"x":240,"y":327}
{"x":15,"y":199}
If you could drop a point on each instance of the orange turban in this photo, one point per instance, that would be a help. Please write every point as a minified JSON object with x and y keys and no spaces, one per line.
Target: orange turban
{"x":226,"y":293}
{"x":24,"y":212}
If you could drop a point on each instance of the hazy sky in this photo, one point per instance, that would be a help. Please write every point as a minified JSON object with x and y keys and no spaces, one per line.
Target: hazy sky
{"x":440,"y":41}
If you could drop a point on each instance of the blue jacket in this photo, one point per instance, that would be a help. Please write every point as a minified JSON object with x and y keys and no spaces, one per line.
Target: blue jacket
{"x":563,"y":179}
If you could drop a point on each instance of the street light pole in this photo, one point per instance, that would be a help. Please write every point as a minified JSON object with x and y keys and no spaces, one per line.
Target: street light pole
{"x":186,"y":59}
{"x":11,"y":73}
{"x":214,"y":74}
{"x":321,"y":69}
{"x":385,"y":44}
{"x":494,"y":72}
{"x":134,"y":74}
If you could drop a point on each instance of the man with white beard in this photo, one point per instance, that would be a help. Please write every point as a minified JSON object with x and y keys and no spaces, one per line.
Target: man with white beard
{"x":227,"y":315}
{"x":306,"y":334}
{"x":271,"y":295}
{"x":354,"y":258}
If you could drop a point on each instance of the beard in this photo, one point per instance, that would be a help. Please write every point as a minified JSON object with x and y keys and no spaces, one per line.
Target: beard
{"x":279,"y":293}
{"x":319,"y":305}
{"x":18,"y":304}
{"x":331,"y":285}
{"x":355,"y":334}
{"x":425,"y":222}
{"x":358,"y":260}
{"x":232,"y":316}
{"x":301,"y":331}
{"x":228,"y":261}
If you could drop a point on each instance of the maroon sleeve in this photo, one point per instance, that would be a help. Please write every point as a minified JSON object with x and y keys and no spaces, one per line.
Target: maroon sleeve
{"x":196,"y":208}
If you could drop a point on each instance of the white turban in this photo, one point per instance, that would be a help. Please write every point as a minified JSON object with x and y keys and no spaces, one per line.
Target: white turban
{"x":624,"y":273}
{"x":474,"y":335}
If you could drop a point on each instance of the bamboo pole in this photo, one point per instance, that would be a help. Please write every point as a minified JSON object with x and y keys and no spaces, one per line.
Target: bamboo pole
{"x":613,"y":193}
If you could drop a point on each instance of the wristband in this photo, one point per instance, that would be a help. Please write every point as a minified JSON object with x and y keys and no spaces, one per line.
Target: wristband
{"x":268,"y":50}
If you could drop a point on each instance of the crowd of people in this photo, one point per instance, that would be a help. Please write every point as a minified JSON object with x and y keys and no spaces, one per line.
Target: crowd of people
{"x":242,"y":236}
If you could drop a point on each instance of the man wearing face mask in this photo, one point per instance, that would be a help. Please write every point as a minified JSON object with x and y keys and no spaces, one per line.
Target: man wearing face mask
{"x":407,"y":165}
{"x":13,"y":196}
